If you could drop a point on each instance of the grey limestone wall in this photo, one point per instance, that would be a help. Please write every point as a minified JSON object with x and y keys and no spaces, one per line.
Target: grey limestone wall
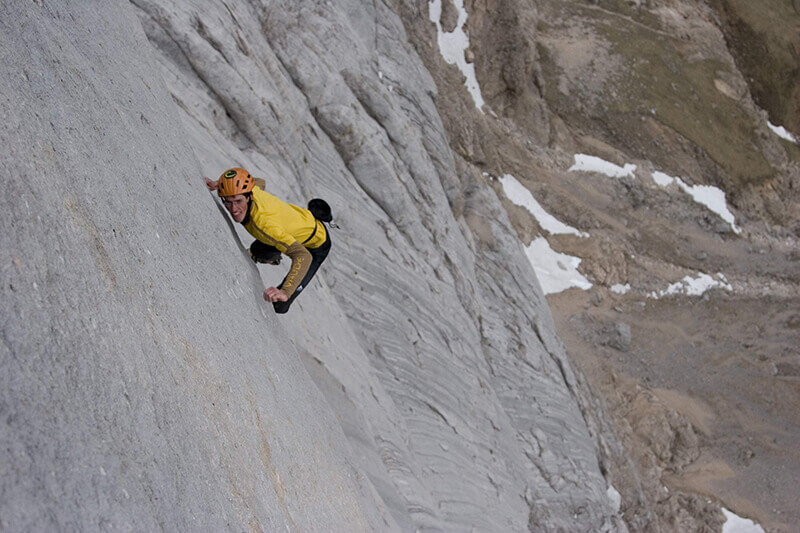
{"x":417,"y":384}
{"x":143,"y":384}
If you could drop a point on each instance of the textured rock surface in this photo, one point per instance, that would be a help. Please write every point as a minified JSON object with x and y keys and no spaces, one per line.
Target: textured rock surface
{"x":144,"y":384}
{"x":766,"y":45}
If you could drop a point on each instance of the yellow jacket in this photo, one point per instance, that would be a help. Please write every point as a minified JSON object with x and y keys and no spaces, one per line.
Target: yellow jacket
{"x":288,"y":228}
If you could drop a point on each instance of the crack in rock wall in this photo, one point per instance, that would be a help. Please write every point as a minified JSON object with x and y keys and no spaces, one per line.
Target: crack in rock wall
{"x":157,"y":378}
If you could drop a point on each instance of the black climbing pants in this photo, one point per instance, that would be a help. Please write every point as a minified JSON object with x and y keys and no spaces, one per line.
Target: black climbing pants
{"x":318,"y":255}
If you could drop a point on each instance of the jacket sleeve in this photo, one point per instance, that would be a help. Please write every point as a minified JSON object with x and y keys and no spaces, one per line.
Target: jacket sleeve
{"x":301,"y":262}
{"x":301,"y":258}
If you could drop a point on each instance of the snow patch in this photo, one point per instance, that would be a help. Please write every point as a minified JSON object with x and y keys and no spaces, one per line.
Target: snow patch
{"x":662,"y":179}
{"x":453,"y":45}
{"x":519,"y":195}
{"x":736,"y":524}
{"x":621,"y":289}
{"x":781,"y":132}
{"x":556,"y":272}
{"x":693,"y":286}
{"x":590,"y":163}
{"x":614,"y":497}
{"x":711,"y":197}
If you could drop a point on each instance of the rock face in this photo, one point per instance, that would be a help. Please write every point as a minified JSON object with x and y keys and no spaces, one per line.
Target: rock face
{"x":143,"y":384}
{"x":766,"y":45}
{"x":419,"y":384}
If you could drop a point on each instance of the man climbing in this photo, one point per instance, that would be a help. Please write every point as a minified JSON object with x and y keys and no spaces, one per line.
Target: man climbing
{"x":278,"y":227}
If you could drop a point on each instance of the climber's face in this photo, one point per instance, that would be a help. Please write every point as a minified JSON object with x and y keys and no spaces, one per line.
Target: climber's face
{"x":236,"y":206}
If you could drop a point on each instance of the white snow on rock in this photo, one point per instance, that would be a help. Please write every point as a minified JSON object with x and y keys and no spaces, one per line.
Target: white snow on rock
{"x":662,"y":179}
{"x":590,"y":163}
{"x":519,"y":195}
{"x":781,"y":132}
{"x":713,"y":198}
{"x":736,"y":524}
{"x":556,"y":272}
{"x":621,"y":289}
{"x":693,"y":286}
{"x":615,"y":498}
{"x":708,"y":195}
{"x":453,"y":45}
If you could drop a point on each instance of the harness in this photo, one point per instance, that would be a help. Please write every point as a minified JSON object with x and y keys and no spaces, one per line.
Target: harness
{"x":316,"y":224}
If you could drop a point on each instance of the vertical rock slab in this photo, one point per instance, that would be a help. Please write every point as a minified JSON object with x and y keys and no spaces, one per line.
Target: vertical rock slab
{"x":142,"y":384}
{"x":430,"y":334}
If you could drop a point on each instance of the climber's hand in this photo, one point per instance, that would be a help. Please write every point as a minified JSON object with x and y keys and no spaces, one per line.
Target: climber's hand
{"x":275,"y":295}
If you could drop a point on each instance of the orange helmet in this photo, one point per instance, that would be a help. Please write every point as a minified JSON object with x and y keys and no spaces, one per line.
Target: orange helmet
{"x":235,"y":181}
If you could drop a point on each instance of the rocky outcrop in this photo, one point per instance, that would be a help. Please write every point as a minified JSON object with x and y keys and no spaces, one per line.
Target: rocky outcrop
{"x":766,"y":45}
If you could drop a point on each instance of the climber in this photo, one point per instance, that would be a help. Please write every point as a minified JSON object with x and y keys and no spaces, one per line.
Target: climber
{"x":278,"y":227}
